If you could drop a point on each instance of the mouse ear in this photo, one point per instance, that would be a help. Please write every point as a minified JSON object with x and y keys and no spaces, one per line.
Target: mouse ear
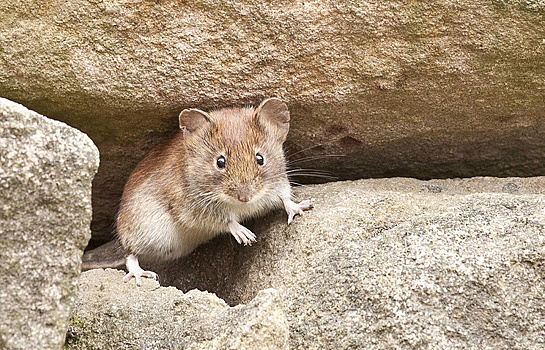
{"x":193,"y":119}
{"x":274,"y":115}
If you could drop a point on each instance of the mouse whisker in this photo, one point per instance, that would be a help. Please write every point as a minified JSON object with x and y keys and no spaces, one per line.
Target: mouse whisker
{"x":316,"y":176}
{"x":310,"y":172}
{"x":294,"y":170}
{"x":316,"y":157}
{"x":289,"y":155}
{"x":325,"y":177}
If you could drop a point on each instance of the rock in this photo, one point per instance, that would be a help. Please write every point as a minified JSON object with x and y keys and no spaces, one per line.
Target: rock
{"x":46,"y":169}
{"x":393,"y":263}
{"x":423,"y":89}
{"x":110,"y":314}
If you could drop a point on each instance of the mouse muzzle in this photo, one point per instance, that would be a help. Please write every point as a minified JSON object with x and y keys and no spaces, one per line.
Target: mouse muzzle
{"x":244,"y":193}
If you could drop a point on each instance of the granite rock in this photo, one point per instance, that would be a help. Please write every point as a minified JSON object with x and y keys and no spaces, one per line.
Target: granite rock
{"x":110,"y":314}
{"x":46,"y":169}
{"x":421,"y":89}
{"x":394,"y":263}
{"x":391,"y":263}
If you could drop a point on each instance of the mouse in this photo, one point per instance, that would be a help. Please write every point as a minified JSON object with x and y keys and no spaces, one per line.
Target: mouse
{"x":221,"y":168}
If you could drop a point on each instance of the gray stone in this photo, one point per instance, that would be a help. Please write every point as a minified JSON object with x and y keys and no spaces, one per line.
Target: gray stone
{"x":110,"y":314}
{"x":376,"y":88}
{"x":46,"y":169}
{"x":392,"y":263}
{"x":381,"y":264}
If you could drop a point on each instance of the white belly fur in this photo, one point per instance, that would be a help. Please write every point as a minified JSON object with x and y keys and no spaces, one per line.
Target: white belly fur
{"x":158,"y":236}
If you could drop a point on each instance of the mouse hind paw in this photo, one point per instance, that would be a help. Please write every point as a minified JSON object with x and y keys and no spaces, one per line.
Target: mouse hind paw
{"x":136,"y":271}
{"x":138,"y":276}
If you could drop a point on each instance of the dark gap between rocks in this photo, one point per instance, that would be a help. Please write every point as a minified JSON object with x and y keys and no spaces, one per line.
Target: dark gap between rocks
{"x":222,"y":266}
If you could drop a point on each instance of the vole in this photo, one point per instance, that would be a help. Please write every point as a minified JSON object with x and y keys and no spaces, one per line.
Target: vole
{"x":221,"y":168}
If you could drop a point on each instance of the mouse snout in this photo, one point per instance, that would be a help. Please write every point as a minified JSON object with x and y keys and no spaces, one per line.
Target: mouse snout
{"x":244,"y":193}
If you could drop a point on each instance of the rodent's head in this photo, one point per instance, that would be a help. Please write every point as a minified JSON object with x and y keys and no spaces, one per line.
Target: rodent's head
{"x":234,"y":156}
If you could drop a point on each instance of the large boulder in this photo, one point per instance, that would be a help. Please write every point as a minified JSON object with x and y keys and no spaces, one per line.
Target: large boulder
{"x":376,"y":88}
{"x":381,"y":264}
{"x":46,"y":169}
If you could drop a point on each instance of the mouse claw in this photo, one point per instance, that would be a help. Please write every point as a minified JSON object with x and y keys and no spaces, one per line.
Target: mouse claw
{"x":293,"y":208}
{"x":138,"y":276}
{"x":136,"y":271}
{"x":241,"y":233}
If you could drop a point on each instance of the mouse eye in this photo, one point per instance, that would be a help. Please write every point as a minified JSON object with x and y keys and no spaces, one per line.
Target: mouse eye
{"x":220,"y":162}
{"x":259,"y":159}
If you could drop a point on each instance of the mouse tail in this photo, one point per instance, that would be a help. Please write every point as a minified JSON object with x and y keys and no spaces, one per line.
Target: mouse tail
{"x":118,"y":264}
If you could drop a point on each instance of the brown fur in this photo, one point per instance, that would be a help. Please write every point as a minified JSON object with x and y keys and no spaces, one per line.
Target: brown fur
{"x":178,"y":184}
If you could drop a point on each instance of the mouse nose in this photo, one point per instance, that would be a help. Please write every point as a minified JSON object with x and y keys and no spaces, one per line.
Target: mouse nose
{"x":244,"y":194}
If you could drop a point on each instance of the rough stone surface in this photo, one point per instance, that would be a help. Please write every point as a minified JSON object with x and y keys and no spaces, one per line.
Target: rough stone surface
{"x":46,"y":169}
{"x":110,"y":314}
{"x":393,"y":88}
{"x":394,"y":263}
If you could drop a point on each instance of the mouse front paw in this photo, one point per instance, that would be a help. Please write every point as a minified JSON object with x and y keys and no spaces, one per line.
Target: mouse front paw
{"x":241,"y":233}
{"x":293,"y":208}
